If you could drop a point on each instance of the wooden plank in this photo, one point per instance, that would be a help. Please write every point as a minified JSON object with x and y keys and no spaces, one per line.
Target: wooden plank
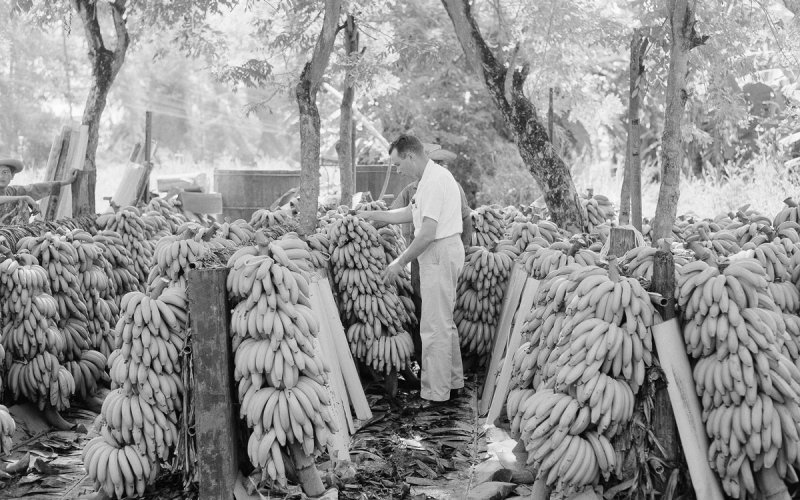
{"x":355,"y":390}
{"x":504,"y":380}
{"x":55,"y":160}
{"x":214,"y":394}
{"x":126,"y":190}
{"x":201,"y":203}
{"x":74,"y":199}
{"x":516,"y":282}
{"x":688,"y":415}
{"x":324,"y":347}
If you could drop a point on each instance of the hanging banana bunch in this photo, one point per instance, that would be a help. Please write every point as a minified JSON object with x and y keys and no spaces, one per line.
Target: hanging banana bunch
{"x":479,"y":295}
{"x":749,"y":388}
{"x":488,"y":225}
{"x":372,"y":311}
{"x":136,"y":236}
{"x":599,"y":210}
{"x":142,"y":412}
{"x":7,"y":429}
{"x":282,"y":382}
{"x":525,"y":232}
{"x":318,"y":247}
{"x":238,"y":233}
{"x":588,"y":344}
{"x":168,"y":210}
{"x":31,"y":338}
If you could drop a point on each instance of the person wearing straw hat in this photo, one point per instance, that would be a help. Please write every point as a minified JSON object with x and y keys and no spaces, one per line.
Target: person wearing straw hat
{"x":10,"y":195}
{"x":436,"y":212}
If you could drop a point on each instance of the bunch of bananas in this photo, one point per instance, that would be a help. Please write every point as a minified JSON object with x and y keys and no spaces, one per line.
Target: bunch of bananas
{"x":174,"y":254}
{"x":488,"y":225}
{"x":370,"y":308}
{"x":268,"y":219}
{"x":101,"y":309}
{"x":7,"y":429}
{"x":119,"y":470}
{"x":238,"y":232}
{"x":137,"y":236}
{"x":789,"y":213}
{"x":749,"y":385}
{"x":318,"y":246}
{"x":30,"y":336}
{"x":525,"y":232}
{"x":142,"y":412}
{"x":598,"y":209}
{"x":588,"y":344}
{"x":541,"y":260}
{"x":638,"y":262}
{"x":479,"y":295}
{"x":118,"y":265}
{"x":83,"y":316}
{"x":282,"y":382}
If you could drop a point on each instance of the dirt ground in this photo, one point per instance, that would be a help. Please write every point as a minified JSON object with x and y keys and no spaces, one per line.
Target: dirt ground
{"x":403,"y":452}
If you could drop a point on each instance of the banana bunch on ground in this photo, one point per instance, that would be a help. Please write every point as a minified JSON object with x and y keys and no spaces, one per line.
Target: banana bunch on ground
{"x":790,"y":213}
{"x":238,"y":232}
{"x":318,"y":247}
{"x":754,"y":228}
{"x":158,"y":225}
{"x":142,"y":413}
{"x":370,"y":308}
{"x":587,"y":347}
{"x":488,"y":225}
{"x":264,"y":218}
{"x":479,"y":295}
{"x":282,"y":382}
{"x":748,"y":383}
{"x":30,"y":337}
{"x":599,"y":210}
{"x":7,"y":429}
{"x":166,"y":208}
{"x":638,"y":262}
{"x":526,"y":232}
{"x":541,"y":260}
{"x":119,"y":265}
{"x":174,"y":255}
{"x":101,"y":308}
{"x":119,"y":470}
{"x":136,"y":236}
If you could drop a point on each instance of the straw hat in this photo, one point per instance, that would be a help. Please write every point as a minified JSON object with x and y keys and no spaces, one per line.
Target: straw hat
{"x":15,"y":165}
{"x":436,"y":153}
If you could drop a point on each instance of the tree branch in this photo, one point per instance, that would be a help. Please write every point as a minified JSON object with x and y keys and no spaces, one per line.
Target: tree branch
{"x":324,"y":46}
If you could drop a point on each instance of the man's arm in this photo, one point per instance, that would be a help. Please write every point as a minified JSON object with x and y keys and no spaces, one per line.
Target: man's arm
{"x":396,"y":216}
{"x":426,"y":236}
{"x":13,"y":199}
{"x":39,"y":190}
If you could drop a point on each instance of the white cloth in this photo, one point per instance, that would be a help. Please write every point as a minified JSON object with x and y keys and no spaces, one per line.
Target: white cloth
{"x":439,"y":267}
{"x":439,"y":198}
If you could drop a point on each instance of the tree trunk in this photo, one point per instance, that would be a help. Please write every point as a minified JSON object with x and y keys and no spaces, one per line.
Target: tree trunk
{"x":684,"y":38}
{"x":306,"y":95}
{"x":505,"y":86}
{"x":105,"y":67}
{"x":638,"y":48}
{"x":344,"y":149}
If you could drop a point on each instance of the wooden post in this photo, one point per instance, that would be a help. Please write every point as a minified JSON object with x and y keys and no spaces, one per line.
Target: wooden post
{"x":56,"y":163}
{"x":214,"y":395}
{"x":638,"y":48}
{"x":143,"y":190}
{"x":622,"y":240}
{"x":664,"y":426}
{"x":771,"y":485}
{"x":550,"y":120}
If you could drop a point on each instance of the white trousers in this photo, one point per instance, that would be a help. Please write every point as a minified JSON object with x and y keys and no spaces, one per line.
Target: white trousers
{"x":439,"y":267}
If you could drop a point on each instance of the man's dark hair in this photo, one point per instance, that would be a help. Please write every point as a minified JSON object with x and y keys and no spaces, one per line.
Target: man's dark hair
{"x":407,"y":144}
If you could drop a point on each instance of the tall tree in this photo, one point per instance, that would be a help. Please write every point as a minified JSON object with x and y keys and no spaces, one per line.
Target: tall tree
{"x":684,"y":38}
{"x":505,"y":82}
{"x":306,"y":95}
{"x":631,"y":197}
{"x":106,"y":64}
{"x":344,"y":148}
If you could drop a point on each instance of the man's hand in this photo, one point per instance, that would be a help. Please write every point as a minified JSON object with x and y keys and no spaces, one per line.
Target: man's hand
{"x":31,"y":203}
{"x":71,"y":177}
{"x":364,"y":214}
{"x":392,"y":272}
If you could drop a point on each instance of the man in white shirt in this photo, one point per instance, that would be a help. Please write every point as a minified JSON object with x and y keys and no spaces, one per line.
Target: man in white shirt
{"x":435,"y":210}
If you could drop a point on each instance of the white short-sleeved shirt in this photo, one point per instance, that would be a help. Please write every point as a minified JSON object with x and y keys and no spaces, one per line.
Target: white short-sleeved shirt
{"x":439,"y":198}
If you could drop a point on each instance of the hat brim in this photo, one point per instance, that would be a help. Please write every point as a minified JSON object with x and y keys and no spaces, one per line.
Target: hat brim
{"x":15,"y":165}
